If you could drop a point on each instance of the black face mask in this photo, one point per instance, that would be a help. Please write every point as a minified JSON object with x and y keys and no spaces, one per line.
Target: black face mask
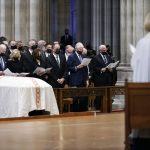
{"x":38,"y":57}
{"x":104,"y":53}
{"x":2,"y":54}
{"x":33,"y":47}
{"x":57,"y":51}
{"x":16,"y":59}
{"x":79,"y":52}
{"x":49,"y":50}
{"x":14,"y":47}
{"x":20,"y":48}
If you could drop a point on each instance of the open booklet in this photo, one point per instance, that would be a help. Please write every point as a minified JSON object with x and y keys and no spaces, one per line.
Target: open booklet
{"x":85,"y":61}
{"x":7,"y":72}
{"x":40,"y":71}
{"x":112,"y":65}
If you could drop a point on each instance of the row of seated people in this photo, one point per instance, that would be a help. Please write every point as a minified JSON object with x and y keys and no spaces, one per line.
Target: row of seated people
{"x":58,"y":68}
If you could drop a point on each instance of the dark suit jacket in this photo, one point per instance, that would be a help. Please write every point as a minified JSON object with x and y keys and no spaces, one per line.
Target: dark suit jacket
{"x":78,"y":77}
{"x":57,"y":71}
{"x":64,"y":42}
{"x":101,"y":78}
{"x":29,"y":64}
{"x":5,"y":63}
{"x":44,"y":65}
{"x":15,"y":66}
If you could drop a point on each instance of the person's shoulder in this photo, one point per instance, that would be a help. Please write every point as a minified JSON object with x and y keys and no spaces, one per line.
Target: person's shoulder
{"x":144,"y":40}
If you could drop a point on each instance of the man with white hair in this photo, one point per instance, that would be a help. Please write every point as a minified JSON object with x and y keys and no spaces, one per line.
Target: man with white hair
{"x":78,"y":75}
{"x":42,"y":45}
{"x":101,"y":76}
{"x":29,"y":64}
{"x":3,"y":60}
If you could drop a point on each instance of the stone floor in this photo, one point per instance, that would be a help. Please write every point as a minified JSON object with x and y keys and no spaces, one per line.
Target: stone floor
{"x":118,"y":103}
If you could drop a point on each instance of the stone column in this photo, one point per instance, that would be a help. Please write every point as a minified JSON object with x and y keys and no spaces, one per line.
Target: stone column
{"x":105,"y":24}
{"x":9,"y":19}
{"x":83,"y":20}
{"x":132,"y":14}
{"x":25,"y":19}
{"x":95,"y":24}
{"x":2,"y":17}
{"x":59,"y":18}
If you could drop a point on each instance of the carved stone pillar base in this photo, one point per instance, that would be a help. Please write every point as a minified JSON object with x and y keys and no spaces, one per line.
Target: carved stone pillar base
{"x":124,"y":71}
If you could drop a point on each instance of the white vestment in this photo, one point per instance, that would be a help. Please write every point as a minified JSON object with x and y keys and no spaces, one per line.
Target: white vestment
{"x":140,"y":61}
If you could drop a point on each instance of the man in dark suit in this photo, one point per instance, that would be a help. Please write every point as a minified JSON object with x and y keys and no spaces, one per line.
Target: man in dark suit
{"x":29,"y":64}
{"x":66,"y":39}
{"x":58,"y":73}
{"x":78,"y":76}
{"x":3,"y":60}
{"x":100,"y":75}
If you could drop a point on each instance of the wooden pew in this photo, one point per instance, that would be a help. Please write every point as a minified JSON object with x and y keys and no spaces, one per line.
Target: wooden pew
{"x":83,"y":91}
{"x":137,"y":107}
{"x":107,"y":92}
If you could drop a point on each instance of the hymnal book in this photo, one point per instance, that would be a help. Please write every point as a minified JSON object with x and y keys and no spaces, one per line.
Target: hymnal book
{"x":85,"y":61}
{"x":40,"y":71}
{"x":112,"y":65}
{"x":7,"y":72}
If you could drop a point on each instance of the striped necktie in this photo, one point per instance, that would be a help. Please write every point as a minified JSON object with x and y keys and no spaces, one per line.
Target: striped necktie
{"x":80,"y":58}
{"x":105,"y":59}
{"x":57,"y":59}
{"x":2,"y":63}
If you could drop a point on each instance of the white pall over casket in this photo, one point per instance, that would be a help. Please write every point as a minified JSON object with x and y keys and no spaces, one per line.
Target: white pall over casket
{"x":20,"y":95}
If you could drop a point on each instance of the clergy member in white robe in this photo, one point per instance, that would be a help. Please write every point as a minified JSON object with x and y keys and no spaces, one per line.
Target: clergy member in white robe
{"x":140,"y":63}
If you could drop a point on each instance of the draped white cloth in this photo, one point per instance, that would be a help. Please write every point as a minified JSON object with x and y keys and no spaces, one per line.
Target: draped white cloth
{"x":20,"y":95}
{"x":140,"y":61}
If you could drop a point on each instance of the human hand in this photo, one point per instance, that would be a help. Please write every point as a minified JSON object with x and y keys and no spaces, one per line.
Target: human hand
{"x":80,"y":66}
{"x":103,"y":69}
{"x":110,"y":69}
{"x":61,"y":81}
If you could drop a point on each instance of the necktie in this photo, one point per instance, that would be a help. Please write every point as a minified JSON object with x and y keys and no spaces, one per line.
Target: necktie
{"x":2,"y":63}
{"x":66,"y":37}
{"x":57,"y":59}
{"x":105,"y":59}
{"x":80,"y":58}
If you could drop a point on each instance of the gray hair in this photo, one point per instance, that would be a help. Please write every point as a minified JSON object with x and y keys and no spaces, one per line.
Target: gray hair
{"x":3,"y":47}
{"x":102,"y":46}
{"x":79,"y":45}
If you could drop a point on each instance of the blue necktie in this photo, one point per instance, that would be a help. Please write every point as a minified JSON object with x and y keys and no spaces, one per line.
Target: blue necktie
{"x":80,"y":58}
{"x":105,"y":59}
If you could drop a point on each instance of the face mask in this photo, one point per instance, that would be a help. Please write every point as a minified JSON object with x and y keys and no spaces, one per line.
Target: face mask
{"x":49,"y":50}
{"x":38,"y":57}
{"x":2,"y":54}
{"x":14,"y":47}
{"x":79,"y":52}
{"x":104,"y":53}
{"x":57,"y":51}
{"x":16,"y":59}
{"x":20,"y":48}
{"x":33,"y":47}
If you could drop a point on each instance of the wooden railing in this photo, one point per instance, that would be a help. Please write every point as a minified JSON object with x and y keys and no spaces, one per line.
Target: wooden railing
{"x":105,"y":92}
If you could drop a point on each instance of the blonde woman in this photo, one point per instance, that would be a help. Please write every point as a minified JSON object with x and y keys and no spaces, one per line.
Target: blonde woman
{"x":15,"y":63}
